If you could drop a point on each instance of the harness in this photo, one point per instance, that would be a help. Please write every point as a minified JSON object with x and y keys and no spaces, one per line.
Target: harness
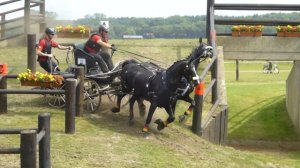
{"x":46,"y":50}
{"x":92,"y":45}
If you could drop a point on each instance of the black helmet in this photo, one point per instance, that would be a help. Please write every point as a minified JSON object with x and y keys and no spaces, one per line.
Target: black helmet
{"x":50,"y":31}
{"x":103,"y":28}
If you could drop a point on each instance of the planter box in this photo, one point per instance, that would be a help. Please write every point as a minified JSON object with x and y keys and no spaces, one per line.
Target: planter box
{"x":246,"y":34}
{"x":73,"y":35}
{"x":288,"y":34}
{"x":41,"y":84}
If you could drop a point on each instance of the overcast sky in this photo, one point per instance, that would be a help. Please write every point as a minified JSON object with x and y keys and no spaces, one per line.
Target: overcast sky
{"x":74,"y":9}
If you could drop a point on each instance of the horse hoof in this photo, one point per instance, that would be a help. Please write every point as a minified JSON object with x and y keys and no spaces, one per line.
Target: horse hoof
{"x":160,"y":124}
{"x":145,"y":134}
{"x":115,"y":110}
{"x":182,"y":118}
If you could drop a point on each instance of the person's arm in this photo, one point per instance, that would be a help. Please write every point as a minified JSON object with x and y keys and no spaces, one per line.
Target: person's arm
{"x":103,"y":44}
{"x":64,"y":47}
{"x":61,"y":47}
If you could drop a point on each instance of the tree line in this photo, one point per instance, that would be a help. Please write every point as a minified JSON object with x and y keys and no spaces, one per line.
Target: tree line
{"x":171,"y":27}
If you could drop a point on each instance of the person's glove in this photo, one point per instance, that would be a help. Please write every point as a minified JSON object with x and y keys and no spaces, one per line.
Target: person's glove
{"x":50,"y":55}
{"x":113,"y":47}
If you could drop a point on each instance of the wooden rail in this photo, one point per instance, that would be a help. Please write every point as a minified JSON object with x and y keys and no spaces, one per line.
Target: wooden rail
{"x":28,"y":18}
{"x":29,"y":139}
{"x":71,"y":85}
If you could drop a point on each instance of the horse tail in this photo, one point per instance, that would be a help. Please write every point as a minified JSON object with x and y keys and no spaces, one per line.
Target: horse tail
{"x":129,"y":62}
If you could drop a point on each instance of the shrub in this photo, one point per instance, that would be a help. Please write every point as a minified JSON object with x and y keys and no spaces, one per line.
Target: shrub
{"x":82,"y":29}
{"x":288,"y":28}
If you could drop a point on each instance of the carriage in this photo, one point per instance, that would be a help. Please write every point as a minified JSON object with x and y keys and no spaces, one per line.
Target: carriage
{"x":96,"y":83}
{"x":141,"y":81}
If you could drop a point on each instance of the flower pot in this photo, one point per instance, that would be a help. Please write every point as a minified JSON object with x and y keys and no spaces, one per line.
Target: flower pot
{"x":72,"y":35}
{"x":41,"y":84}
{"x":246,"y":34}
{"x":288,"y":34}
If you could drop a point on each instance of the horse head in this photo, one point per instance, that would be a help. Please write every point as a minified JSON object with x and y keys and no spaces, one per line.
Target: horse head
{"x":198,"y":55}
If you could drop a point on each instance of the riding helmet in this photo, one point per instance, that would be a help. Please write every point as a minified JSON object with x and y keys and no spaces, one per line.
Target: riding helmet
{"x":50,"y":31}
{"x":103,"y":28}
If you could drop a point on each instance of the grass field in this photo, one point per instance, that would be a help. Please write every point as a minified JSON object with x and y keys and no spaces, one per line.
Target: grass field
{"x":257,"y":112}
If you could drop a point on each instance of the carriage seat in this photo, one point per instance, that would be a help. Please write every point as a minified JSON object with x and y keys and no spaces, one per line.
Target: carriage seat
{"x":84,"y":59}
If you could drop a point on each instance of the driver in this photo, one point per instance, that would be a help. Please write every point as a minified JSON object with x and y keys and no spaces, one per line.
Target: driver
{"x":44,"y":48}
{"x":96,"y":45}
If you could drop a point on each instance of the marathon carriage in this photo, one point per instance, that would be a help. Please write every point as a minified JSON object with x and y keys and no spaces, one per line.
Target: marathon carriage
{"x":97,"y":83}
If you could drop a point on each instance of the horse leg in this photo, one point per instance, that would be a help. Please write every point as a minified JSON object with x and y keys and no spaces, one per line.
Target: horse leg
{"x":188,"y":112}
{"x":162,"y":124}
{"x":142,"y":107}
{"x":149,"y":116}
{"x":131,"y":114}
{"x":116,"y":109}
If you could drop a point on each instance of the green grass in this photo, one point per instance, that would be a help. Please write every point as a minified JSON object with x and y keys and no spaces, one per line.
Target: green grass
{"x":256,"y":104}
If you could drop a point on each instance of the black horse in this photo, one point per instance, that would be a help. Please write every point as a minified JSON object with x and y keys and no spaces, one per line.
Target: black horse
{"x":162,"y":88}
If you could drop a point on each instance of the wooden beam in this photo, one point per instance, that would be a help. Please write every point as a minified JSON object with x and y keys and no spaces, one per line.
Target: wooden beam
{"x":8,"y":2}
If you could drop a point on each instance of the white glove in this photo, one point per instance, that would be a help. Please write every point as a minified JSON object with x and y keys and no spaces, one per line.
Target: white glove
{"x":49,"y":55}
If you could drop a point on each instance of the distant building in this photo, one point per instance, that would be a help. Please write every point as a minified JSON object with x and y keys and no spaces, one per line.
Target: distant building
{"x":148,"y":35}
{"x":132,"y":37}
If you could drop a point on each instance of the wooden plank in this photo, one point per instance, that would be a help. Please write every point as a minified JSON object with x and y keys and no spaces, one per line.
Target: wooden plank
{"x":17,"y":9}
{"x":211,"y":130}
{"x":222,"y":127}
{"x":36,"y":1}
{"x":8,"y":2}
{"x":217,"y":128}
{"x":205,"y":133}
{"x":11,"y":20}
{"x":226,"y":112}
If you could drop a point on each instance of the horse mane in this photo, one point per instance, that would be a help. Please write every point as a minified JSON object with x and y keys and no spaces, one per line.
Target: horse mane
{"x":193,"y":55}
{"x":176,"y":62}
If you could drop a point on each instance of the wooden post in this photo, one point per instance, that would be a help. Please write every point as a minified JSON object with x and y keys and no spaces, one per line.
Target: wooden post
{"x":28,"y":149}
{"x":26,"y":18}
{"x":42,"y":12}
{"x":210,"y":5}
{"x":197,"y":112}
{"x":79,"y":75}
{"x":31,"y":52}
{"x":44,"y":144}
{"x":3,"y":97}
{"x":70,"y":106}
{"x":237,"y":70}
{"x":2,"y":26}
{"x":214,"y":75}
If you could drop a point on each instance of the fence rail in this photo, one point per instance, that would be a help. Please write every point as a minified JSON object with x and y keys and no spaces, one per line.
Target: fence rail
{"x":29,"y":139}
{"x":261,"y":7}
{"x":28,"y":18}
{"x":73,"y":91}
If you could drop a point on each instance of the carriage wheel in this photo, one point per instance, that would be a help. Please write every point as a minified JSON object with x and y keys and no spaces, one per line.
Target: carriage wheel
{"x":265,"y":70}
{"x":55,"y":100}
{"x":92,"y":97}
{"x":276,"y":70}
{"x":113,"y":99}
